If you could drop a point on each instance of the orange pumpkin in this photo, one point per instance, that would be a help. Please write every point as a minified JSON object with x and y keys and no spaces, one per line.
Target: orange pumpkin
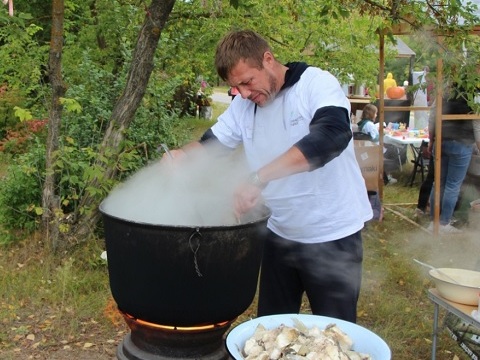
{"x":395,"y":92}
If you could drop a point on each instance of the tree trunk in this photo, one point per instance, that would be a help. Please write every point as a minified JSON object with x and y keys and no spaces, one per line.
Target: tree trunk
{"x":124,"y":110}
{"x":50,"y":197}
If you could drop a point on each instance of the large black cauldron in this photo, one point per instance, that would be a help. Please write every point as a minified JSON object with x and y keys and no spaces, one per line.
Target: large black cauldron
{"x":184,"y":276}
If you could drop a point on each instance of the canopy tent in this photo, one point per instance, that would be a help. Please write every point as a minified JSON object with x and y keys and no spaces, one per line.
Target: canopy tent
{"x":403,"y":51}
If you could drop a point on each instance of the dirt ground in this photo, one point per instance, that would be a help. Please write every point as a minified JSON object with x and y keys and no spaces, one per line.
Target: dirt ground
{"x":84,"y":347}
{"x":91,"y":345}
{"x":33,"y":337}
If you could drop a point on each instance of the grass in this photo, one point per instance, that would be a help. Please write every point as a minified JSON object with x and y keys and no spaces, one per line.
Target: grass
{"x":55,"y":307}
{"x":195,"y":126}
{"x":48,"y":302}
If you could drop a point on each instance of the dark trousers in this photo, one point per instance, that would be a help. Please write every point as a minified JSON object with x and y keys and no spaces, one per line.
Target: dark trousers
{"x":426,"y":187}
{"x":329,"y":273}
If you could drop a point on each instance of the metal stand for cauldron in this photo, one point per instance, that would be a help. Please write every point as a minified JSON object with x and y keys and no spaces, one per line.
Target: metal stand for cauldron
{"x":150,"y":342}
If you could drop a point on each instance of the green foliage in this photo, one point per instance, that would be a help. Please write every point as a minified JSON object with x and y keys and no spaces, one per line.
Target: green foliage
{"x":76,"y":165}
{"x":71,"y":105}
{"x":20,"y":190}
{"x":94,"y":96}
{"x":339,"y":36}
{"x":22,"y":58}
{"x":460,"y":61}
{"x":325,"y":34}
{"x":18,"y":139}
{"x":9,"y":99}
{"x":22,"y":114}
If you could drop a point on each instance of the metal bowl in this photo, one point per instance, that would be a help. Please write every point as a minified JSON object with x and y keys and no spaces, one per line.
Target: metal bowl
{"x":364,"y":340}
{"x":467,"y":290}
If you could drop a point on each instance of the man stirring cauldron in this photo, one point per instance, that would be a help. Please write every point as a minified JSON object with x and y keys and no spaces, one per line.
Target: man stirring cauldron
{"x":293,"y":122}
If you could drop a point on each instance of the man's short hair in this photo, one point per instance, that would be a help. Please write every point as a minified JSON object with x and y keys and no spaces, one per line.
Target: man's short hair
{"x":239,"y":45}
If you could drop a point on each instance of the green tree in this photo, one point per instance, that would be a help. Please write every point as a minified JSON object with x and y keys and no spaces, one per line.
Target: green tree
{"x":122,"y":73}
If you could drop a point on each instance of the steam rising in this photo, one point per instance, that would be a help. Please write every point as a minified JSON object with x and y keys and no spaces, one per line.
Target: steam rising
{"x":197,"y":192}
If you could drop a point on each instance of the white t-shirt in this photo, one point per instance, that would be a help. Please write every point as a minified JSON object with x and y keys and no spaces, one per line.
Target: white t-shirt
{"x":371,"y":129}
{"x":325,"y":204}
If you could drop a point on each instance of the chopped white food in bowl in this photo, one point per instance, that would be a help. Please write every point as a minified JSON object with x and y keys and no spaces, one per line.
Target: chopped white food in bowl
{"x":302,"y":336}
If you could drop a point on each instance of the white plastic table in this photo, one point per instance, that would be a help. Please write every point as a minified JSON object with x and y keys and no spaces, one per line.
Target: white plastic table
{"x":404,"y":140}
{"x":413,"y":142}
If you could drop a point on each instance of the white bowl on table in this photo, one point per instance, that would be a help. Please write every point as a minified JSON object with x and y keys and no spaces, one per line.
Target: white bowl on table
{"x":364,"y":340}
{"x":465,"y":292}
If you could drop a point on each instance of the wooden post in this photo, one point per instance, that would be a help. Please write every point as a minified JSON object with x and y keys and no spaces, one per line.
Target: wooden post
{"x":438,"y":141}
{"x":381,"y":111}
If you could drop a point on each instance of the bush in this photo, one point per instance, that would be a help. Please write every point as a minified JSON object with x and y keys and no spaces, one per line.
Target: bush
{"x":19,"y":137}
{"x":21,"y":189}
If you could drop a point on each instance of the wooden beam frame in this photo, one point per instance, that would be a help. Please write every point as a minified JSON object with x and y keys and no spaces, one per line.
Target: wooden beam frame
{"x":405,"y":29}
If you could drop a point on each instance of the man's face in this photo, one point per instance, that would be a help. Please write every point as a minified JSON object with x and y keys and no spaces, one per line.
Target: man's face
{"x":257,"y":85}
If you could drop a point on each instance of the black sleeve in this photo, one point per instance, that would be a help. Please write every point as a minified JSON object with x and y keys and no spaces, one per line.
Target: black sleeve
{"x":212,"y":144}
{"x":329,"y":135}
{"x":208,"y":136}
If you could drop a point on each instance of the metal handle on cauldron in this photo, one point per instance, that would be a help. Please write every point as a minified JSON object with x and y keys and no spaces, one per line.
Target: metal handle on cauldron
{"x":196,"y":234}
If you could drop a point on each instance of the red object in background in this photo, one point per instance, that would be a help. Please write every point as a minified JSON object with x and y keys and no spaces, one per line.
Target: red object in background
{"x":395,"y":92}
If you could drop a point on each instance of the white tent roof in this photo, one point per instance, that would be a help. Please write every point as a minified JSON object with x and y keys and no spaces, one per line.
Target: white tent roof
{"x":403,"y":49}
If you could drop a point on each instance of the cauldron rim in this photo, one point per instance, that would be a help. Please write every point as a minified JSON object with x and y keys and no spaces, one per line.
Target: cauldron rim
{"x":263,"y":209}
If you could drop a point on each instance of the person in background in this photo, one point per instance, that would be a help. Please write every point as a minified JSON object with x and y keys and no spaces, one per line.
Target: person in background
{"x":458,"y":138}
{"x":427,"y":184}
{"x":426,"y":189}
{"x":389,"y":82}
{"x":293,"y":123}
{"x":367,"y":125}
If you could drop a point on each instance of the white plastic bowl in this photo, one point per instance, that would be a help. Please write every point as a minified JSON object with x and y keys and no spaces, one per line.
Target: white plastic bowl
{"x":364,"y":340}
{"x":465,"y":292}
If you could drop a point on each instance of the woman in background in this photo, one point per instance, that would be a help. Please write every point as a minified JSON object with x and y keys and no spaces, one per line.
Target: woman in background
{"x":367,"y":126}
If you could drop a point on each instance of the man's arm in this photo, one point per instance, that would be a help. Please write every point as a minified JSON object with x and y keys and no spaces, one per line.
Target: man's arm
{"x":176,"y":155}
{"x":329,"y":135}
{"x":207,"y":142}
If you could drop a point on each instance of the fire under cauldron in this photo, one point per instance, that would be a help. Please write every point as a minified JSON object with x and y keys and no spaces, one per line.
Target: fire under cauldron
{"x":180,"y":288}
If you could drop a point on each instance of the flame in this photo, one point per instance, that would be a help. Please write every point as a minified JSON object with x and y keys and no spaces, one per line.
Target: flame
{"x":179,"y":328}
{"x":111,"y":312}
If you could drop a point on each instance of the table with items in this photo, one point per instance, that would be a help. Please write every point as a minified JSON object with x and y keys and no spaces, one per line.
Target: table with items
{"x":463,"y":312}
{"x":416,"y":140}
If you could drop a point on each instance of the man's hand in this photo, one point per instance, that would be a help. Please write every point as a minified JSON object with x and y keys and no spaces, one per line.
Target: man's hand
{"x":173,"y":156}
{"x":246,"y":197}
{"x":172,"y":160}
